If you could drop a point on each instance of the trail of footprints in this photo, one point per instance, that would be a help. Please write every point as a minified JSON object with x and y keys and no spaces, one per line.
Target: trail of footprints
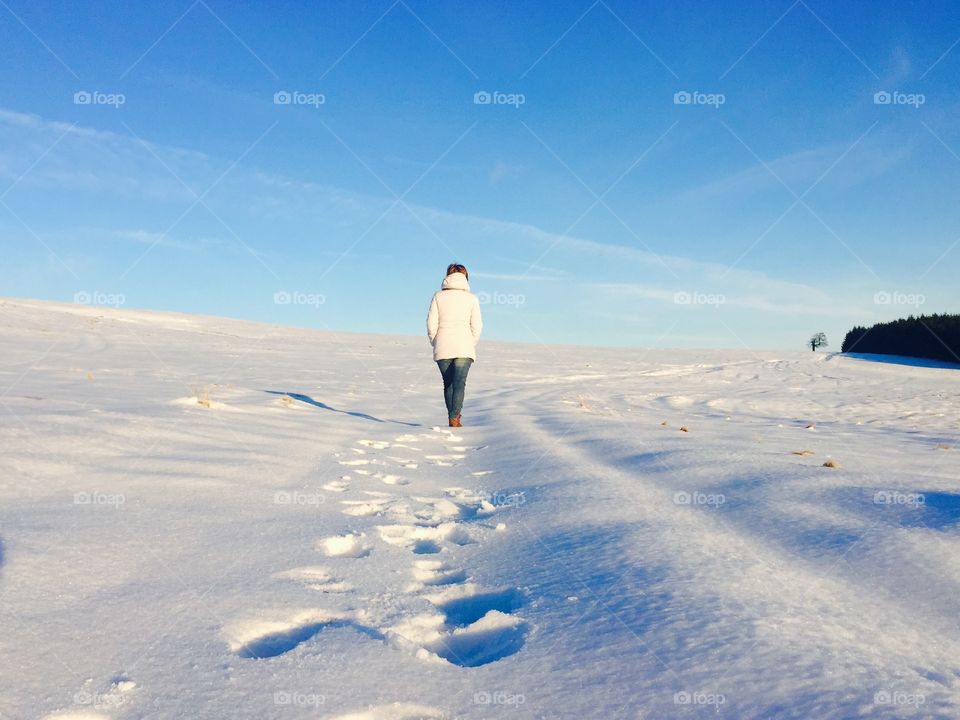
{"x":464,"y":623}
{"x":467,"y":625}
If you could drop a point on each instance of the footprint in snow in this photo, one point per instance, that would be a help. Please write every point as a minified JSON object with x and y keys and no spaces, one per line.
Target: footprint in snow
{"x":260,"y":638}
{"x":375,"y":444}
{"x":338,"y":486}
{"x":434,"y":573}
{"x":438,"y":510}
{"x":388,"y":479}
{"x":447,"y":434}
{"x":475,"y":626}
{"x":365,"y":508}
{"x":94,"y":701}
{"x":347,"y":546}
{"x":464,"y":604}
{"x":494,"y":636}
{"x":316,"y":577}
{"x":424,"y":540}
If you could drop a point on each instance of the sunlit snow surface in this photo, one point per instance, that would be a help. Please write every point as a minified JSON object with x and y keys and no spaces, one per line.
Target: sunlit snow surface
{"x":204,"y":518}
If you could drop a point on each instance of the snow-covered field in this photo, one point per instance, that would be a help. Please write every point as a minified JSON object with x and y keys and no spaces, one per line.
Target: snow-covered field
{"x":206,"y":518}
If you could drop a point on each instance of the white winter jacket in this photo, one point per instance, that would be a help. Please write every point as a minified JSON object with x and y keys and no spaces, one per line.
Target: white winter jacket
{"x":454,"y":322}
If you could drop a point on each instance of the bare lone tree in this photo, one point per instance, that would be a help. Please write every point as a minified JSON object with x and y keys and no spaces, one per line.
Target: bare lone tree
{"x":818,"y":340}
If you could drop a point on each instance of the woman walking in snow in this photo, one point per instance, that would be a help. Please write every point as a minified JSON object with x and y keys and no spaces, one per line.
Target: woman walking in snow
{"x":453,"y":326}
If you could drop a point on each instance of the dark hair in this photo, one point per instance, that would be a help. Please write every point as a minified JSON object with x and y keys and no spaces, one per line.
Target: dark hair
{"x":457,"y":268}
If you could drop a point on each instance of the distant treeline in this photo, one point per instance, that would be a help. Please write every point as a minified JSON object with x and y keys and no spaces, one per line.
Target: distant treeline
{"x":929,"y":336}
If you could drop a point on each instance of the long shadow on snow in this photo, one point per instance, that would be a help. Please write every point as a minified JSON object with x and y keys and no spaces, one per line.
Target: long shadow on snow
{"x":901,"y":360}
{"x":753,"y":509}
{"x":316,"y":403}
{"x":753,"y":514}
{"x":934,"y":509}
{"x":590,"y":563}
{"x":919,"y":509}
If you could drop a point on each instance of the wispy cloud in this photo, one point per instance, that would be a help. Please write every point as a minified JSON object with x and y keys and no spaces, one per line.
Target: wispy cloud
{"x":146,"y":237}
{"x":778,"y":298}
{"x":327,"y":219}
{"x":799,"y":170}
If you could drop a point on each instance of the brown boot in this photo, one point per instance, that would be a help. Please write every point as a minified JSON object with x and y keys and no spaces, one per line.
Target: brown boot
{"x":456,"y":422}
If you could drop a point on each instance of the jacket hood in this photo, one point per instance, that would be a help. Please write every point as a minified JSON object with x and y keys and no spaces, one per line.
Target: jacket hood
{"x":455,"y":281}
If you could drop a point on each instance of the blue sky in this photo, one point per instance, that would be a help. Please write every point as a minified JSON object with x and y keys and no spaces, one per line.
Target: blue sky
{"x":591,"y":203}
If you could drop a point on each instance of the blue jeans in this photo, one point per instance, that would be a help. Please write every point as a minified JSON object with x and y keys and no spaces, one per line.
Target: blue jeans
{"x":454,"y":372}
